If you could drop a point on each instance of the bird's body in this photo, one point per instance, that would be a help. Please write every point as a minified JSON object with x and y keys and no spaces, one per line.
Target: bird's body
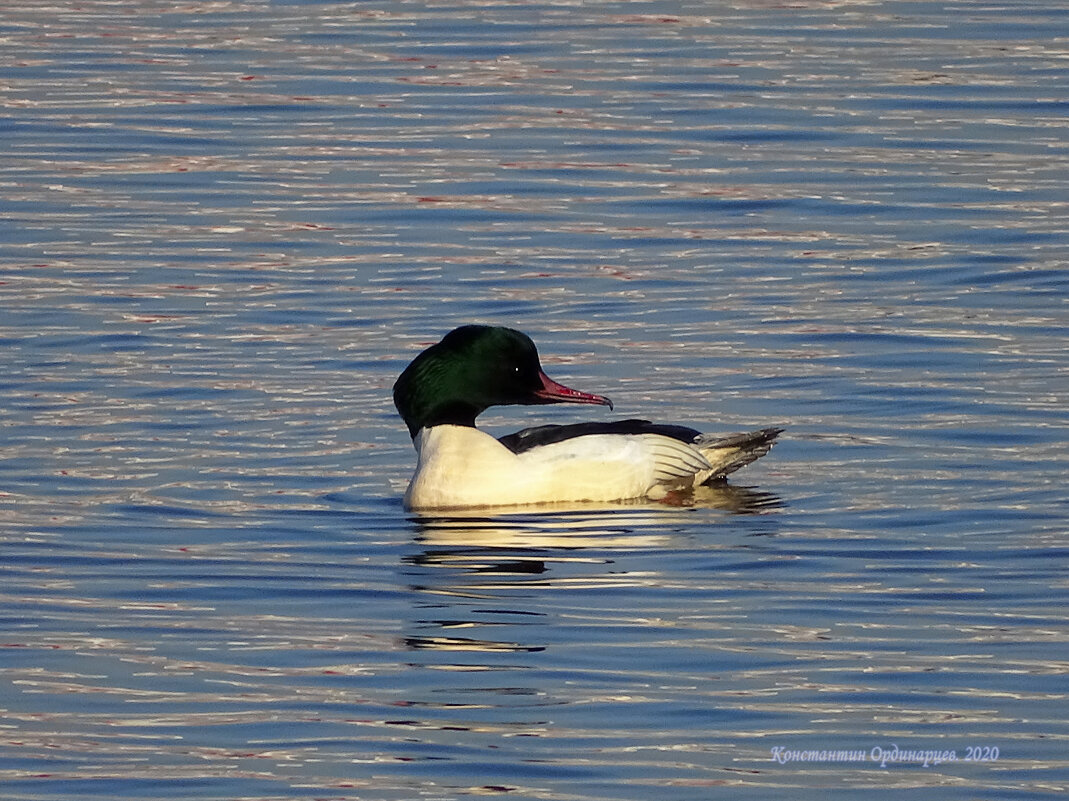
{"x":462,"y":467}
{"x":459,"y":467}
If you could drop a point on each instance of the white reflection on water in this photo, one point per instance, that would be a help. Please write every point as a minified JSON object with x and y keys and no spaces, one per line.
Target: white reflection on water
{"x":635,"y":524}
{"x":502,"y":557}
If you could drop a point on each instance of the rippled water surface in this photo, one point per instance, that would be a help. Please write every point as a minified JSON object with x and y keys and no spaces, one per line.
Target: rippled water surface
{"x":226,"y":228}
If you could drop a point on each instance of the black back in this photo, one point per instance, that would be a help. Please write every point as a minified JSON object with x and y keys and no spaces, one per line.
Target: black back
{"x":546,"y":435}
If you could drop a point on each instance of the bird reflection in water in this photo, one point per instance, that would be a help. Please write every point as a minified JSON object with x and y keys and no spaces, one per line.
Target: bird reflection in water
{"x":473,"y":557}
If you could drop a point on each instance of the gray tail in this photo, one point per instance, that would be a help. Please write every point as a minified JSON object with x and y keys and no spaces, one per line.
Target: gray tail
{"x":728,"y":454}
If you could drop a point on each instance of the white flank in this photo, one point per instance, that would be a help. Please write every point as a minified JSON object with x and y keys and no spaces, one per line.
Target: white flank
{"x":462,"y":467}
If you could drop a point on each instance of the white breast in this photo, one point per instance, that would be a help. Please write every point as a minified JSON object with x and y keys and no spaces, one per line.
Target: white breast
{"x":462,"y":467}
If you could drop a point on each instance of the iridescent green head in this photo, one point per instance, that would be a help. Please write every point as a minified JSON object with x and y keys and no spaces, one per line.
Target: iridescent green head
{"x":473,"y":368}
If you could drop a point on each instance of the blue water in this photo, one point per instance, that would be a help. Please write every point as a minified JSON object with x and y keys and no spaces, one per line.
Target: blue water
{"x":225,"y":228}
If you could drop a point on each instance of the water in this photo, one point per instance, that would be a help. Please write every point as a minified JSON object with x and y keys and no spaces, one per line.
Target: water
{"x":228,"y":227}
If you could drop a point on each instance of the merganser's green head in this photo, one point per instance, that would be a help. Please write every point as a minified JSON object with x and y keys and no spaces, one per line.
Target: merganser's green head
{"x":473,"y":368}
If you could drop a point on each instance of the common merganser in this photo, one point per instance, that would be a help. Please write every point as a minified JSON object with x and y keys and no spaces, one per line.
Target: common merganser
{"x":474,"y":367}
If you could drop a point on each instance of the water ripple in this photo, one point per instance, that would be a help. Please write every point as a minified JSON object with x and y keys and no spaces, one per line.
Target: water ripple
{"x":229,"y":225}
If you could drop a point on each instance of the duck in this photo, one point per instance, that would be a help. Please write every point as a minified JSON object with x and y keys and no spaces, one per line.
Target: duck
{"x":474,"y":367}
